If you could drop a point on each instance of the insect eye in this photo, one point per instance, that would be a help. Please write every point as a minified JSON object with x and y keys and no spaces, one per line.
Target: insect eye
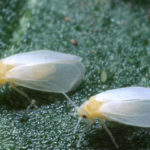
{"x":84,"y":116}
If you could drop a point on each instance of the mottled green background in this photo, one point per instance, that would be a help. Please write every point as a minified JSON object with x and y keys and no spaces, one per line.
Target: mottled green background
{"x":113,"y":40}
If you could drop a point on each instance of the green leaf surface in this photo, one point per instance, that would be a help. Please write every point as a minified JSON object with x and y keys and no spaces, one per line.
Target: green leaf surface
{"x":112,"y":37}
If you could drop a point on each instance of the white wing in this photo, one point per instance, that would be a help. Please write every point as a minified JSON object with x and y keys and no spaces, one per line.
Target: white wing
{"x":38,"y":57}
{"x":50,"y":77}
{"x":128,"y":93}
{"x":134,"y":112}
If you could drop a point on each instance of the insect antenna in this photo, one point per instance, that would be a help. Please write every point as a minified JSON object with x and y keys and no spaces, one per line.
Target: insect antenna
{"x":68,"y":98}
{"x":73,"y":115}
{"x":84,"y":131}
{"x":109,"y":133}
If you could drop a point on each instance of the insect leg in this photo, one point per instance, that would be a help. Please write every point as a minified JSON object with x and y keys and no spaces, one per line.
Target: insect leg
{"x":109,"y":133}
{"x":31,"y":101}
{"x":75,"y":129}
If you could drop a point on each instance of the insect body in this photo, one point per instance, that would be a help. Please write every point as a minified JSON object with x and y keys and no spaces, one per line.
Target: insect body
{"x":130,"y":105}
{"x":42,"y":70}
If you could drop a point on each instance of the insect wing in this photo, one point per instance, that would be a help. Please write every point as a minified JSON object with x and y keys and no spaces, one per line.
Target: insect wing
{"x":38,"y":57}
{"x":134,"y":112}
{"x":50,"y":77}
{"x":123,"y":94}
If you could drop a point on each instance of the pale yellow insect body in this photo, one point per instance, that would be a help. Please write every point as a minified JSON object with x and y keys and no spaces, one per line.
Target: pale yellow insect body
{"x":3,"y":71}
{"x":130,"y":106}
{"x":42,"y":70}
{"x":90,"y":109}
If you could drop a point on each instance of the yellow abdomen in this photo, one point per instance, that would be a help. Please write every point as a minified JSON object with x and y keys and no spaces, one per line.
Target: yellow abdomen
{"x":3,"y":71}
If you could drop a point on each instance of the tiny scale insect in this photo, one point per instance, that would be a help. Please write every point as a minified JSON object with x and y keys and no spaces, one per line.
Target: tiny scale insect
{"x":130,"y":106}
{"x":42,"y":70}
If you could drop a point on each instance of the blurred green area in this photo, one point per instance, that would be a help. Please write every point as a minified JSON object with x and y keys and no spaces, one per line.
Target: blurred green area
{"x":112,"y":37}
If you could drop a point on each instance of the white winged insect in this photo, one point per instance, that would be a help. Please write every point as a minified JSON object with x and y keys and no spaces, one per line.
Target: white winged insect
{"x":42,"y":70}
{"x":130,"y":106}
